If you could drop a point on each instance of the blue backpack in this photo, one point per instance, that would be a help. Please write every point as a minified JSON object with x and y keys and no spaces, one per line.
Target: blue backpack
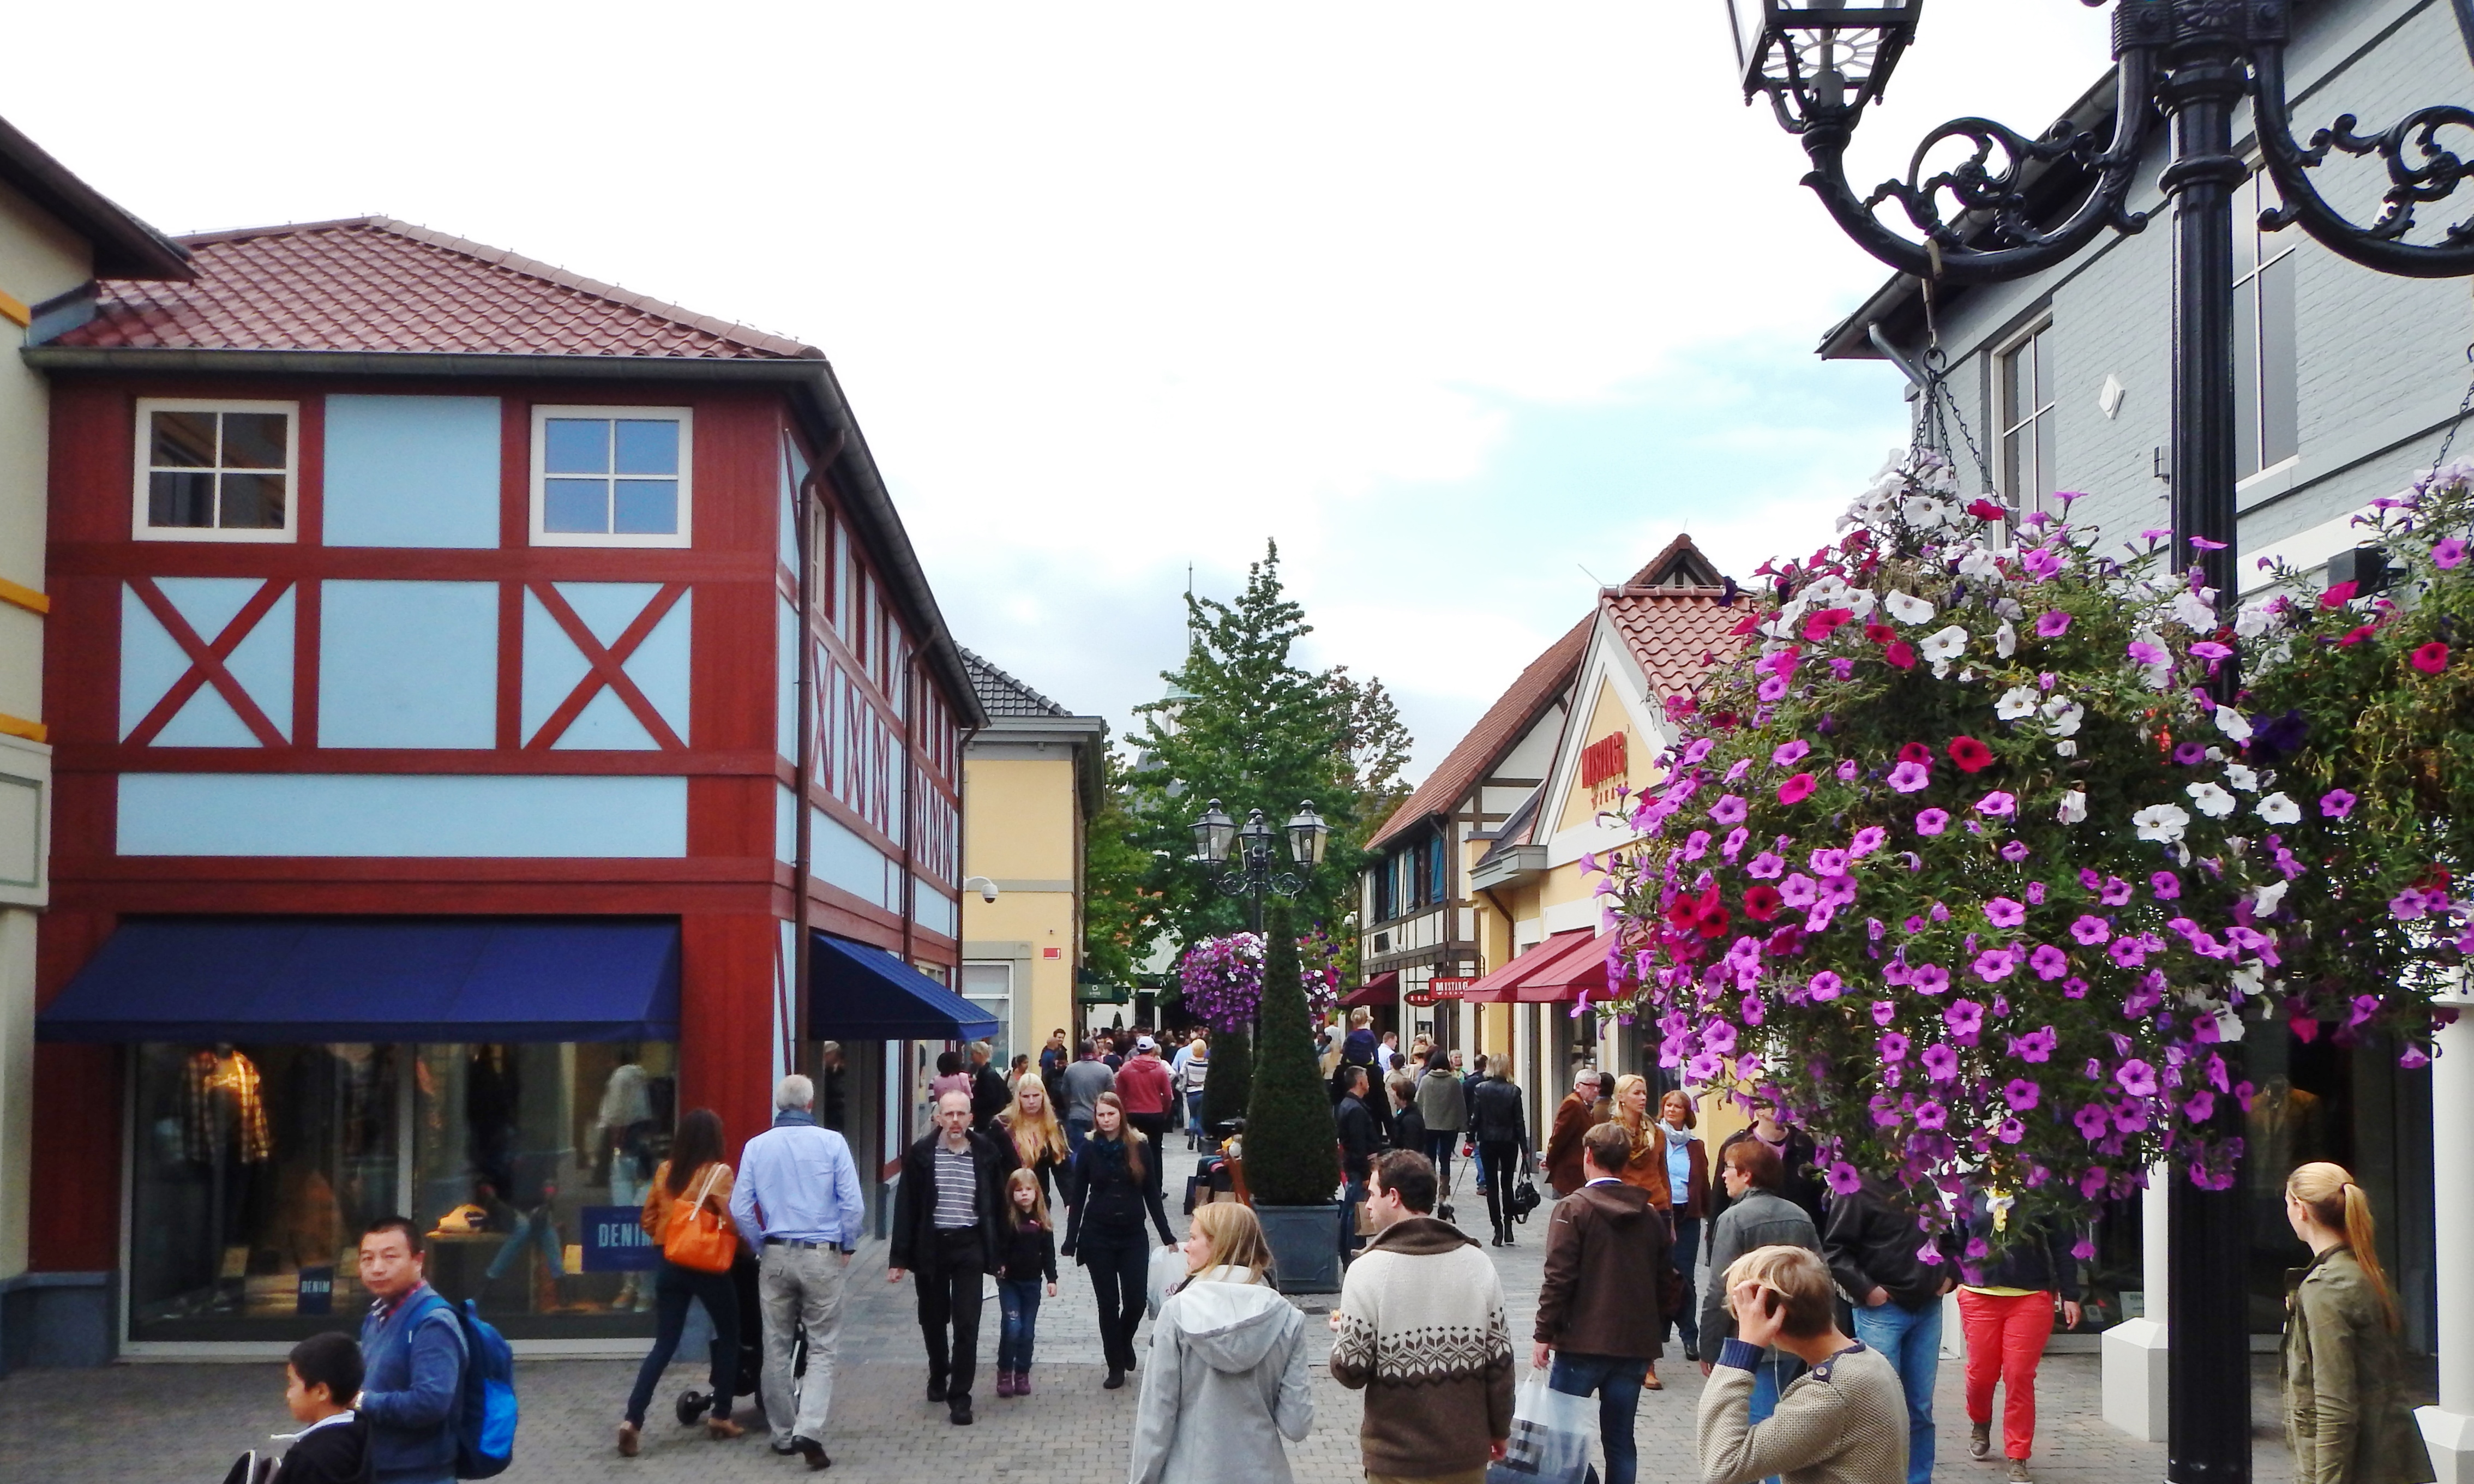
{"x":485,"y":1415}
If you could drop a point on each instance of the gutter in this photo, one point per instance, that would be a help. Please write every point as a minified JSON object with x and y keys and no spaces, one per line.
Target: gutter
{"x":817,"y":395}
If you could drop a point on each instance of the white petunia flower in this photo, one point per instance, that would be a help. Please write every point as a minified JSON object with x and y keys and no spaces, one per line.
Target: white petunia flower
{"x":2192,"y":611}
{"x":2074,"y":807}
{"x":2065,"y":748}
{"x":1944,"y":644}
{"x":2242,"y":778}
{"x":2161,"y":822}
{"x":2264,"y":902}
{"x":2015,"y":702}
{"x":2253,"y":620}
{"x":2277,"y":809}
{"x":2009,"y":608}
{"x":2233,"y":723}
{"x":1981,"y":565}
{"x":2005,"y":639}
{"x":2213,"y":802}
{"x":1908,"y":608}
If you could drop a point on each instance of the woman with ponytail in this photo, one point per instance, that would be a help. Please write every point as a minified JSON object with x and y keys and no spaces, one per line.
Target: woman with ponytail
{"x":2347,"y":1417}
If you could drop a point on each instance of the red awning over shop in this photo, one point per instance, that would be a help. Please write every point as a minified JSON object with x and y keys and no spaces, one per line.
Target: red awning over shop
{"x":1382,"y":989}
{"x":1500,"y":987}
{"x":1579,"y":967}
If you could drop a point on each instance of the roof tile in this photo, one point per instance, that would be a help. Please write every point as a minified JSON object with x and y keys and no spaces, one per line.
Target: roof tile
{"x":376,"y":284}
{"x":1499,"y":728}
{"x":1001,"y":694}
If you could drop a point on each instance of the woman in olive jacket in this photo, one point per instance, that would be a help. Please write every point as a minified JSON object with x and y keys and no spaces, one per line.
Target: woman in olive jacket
{"x":2347,"y":1417}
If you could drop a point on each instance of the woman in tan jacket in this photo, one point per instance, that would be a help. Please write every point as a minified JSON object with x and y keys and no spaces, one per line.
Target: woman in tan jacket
{"x":2347,"y":1417}
{"x":694,"y":1177}
{"x":1646,"y":1170}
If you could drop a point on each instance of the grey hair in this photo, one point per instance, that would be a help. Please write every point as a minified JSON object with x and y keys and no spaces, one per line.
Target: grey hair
{"x":984,"y":1048}
{"x":794,"y":1091}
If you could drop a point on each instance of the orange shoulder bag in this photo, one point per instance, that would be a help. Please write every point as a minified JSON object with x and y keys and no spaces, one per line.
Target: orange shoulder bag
{"x":699,"y":1237}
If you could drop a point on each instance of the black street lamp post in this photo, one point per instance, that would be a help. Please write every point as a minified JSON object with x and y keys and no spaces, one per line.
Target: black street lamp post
{"x":1821,"y":62}
{"x":1254,"y":872}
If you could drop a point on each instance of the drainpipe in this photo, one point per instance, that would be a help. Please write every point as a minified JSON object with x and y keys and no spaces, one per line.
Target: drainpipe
{"x":803,"y":1054}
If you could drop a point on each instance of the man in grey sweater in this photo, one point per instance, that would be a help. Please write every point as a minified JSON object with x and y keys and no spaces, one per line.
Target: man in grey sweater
{"x":1084,"y":1080}
{"x":1843,"y":1421}
{"x":1757,"y":1216}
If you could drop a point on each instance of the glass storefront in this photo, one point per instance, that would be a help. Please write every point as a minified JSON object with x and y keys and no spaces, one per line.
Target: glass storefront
{"x":254,"y":1168}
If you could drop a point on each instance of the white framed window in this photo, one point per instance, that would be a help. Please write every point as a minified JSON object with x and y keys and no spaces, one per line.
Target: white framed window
{"x":613,"y":476}
{"x":2267,"y":410}
{"x":988,"y":985}
{"x":216,"y":471}
{"x":2024,"y":380}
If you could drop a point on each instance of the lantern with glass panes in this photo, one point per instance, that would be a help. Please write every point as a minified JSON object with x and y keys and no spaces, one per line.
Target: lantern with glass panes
{"x":1254,"y":872}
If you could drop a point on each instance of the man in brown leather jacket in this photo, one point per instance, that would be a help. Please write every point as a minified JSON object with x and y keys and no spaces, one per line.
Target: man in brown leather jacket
{"x":1598,"y":1306}
{"x":1574,"y":1117}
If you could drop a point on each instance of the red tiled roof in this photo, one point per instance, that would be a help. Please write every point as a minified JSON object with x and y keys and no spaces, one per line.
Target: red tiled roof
{"x":1673,"y":632}
{"x":374,"y":285}
{"x":1498,"y":729}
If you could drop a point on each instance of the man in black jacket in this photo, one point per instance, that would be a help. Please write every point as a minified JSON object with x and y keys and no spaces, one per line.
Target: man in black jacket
{"x":945,"y":1214}
{"x":1361,"y":1139}
{"x":1798,"y":1173}
{"x":1876,"y":1253}
{"x":989,"y":1095}
{"x":1500,"y":1127}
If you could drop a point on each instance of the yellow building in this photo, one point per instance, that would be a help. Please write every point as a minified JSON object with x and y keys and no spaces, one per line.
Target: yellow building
{"x":1031,"y":784}
{"x":55,"y":237}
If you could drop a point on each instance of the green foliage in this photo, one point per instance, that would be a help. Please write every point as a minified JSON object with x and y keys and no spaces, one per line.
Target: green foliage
{"x":1230,"y":1080}
{"x":1120,"y":907}
{"x":1292,"y":1141}
{"x":1252,"y":728}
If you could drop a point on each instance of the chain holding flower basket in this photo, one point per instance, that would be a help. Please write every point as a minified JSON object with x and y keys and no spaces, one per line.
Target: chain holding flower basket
{"x":1957,"y":857}
{"x":1223,"y":978}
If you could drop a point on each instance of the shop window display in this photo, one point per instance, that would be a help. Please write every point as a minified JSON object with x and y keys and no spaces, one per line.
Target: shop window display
{"x":255,"y":1171}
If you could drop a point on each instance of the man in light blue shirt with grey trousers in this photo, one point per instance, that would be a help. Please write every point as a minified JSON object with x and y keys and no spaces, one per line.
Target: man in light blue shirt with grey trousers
{"x":797,"y":1203}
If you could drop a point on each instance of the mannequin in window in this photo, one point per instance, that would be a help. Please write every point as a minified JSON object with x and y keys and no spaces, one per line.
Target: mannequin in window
{"x":624,"y":1135}
{"x":223,"y":1127}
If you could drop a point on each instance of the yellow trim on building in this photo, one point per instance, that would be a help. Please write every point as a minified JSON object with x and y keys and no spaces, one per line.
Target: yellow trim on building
{"x":19,"y":726}
{"x":24,"y":598}
{"x":15,"y":308}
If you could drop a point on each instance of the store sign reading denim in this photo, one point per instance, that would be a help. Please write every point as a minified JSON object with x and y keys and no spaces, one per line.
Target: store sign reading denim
{"x":317,"y":1291}
{"x":616,"y":1241}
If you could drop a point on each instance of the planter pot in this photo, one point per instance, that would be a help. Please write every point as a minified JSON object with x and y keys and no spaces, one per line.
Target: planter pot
{"x":1305,"y":1246}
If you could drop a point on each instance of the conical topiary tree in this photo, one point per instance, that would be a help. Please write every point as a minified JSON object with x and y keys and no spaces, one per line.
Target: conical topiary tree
{"x":1292,"y":1143}
{"x":1228,"y":1081}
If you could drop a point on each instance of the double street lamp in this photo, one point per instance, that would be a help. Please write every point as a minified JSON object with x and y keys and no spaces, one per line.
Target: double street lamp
{"x":1254,"y":871}
{"x":2013,"y":206}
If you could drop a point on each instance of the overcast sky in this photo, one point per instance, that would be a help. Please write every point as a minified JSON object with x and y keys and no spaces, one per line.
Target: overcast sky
{"x":1468,"y":307}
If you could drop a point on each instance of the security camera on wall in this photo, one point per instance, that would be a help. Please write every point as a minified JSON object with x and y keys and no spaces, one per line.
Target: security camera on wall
{"x":987,"y":888}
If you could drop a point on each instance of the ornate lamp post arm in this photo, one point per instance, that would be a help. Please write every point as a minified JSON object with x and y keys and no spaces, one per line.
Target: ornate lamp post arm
{"x":2429,"y":175}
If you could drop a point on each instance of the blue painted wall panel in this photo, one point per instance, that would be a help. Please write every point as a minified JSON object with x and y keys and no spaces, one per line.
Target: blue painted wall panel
{"x":605,"y":726}
{"x":150,"y":662}
{"x":934,"y":910}
{"x":785,"y":681}
{"x":263,"y":663}
{"x":552,"y":665}
{"x":659,"y":666}
{"x":841,"y":858}
{"x":400,"y":816}
{"x":408,"y":665}
{"x":412,"y":472}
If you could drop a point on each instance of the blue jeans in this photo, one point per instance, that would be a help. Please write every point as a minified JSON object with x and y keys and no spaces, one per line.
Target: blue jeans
{"x":1077,"y":1129}
{"x":1686,"y":1252}
{"x":672,"y":1290}
{"x":1440,"y":1144}
{"x":1194,"y":1113}
{"x":1910,"y":1341}
{"x":1018,"y":1301}
{"x":1771,"y":1378}
{"x":1617,"y":1380}
{"x":533,"y":1228}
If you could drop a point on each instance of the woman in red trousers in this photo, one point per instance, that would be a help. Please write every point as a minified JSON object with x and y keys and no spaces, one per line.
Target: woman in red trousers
{"x":2010,"y":1284}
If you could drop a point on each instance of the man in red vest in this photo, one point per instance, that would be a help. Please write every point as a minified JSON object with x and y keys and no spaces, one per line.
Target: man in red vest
{"x":1148,"y":1091}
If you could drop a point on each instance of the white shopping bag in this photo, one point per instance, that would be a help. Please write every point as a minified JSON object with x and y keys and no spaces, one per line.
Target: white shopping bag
{"x":1551,"y":1437}
{"x":1167,"y":1271}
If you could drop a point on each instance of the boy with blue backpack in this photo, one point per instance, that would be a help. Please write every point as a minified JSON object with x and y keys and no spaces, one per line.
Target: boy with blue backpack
{"x":437,"y":1389}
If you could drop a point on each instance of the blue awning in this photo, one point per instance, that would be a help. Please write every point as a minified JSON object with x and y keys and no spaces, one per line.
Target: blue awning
{"x":275,"y":980}
{"x":858,"y":993}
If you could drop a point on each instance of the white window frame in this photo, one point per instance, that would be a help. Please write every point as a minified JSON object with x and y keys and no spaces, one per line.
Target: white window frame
{"x":961,"y":985}
{"x":2254,"y":194}
{"x":142,"y":460}
{"x":2006,"y":419}
{"x":685,"y":536}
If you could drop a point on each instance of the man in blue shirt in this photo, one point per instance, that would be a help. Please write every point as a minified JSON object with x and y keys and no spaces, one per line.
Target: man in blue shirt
{"x":797,"y":1202}
{"x":413,"y":1353}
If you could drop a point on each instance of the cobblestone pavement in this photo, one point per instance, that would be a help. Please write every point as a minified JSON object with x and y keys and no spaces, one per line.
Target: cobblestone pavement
{"x":184,"y":1422}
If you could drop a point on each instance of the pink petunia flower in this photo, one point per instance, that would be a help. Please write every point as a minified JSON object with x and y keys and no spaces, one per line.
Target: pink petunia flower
{"x":1728,"y":810}
{"x":2336,"y":803}
{"x":2054,"y":625}
{"x":1998,"y":805}
{"x":2091,"y":929}
{"x":2448,"y":554}
{"x":1790,"y":751}
{"x":1796,"y":790}
{"x":1932,"y":821}
{"x":2003,"y":913}
{"x":1910,"y":777}
{"x":2049,"y":961}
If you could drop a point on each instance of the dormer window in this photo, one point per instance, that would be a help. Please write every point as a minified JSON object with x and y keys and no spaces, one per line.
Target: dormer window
{"x":611,"y":477}
{"x":215,"y":471}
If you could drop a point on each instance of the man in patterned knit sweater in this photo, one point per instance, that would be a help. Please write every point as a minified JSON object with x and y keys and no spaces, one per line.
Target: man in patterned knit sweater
{"x":1842,"y":1421}
{"x":1420,"y":1330}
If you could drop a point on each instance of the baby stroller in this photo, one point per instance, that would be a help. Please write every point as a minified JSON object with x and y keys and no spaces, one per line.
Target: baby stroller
{"x":693,"y":1403}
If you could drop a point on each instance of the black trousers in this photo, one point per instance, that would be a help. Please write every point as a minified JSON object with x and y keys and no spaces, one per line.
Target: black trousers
{"x":1496,"y":1159}
{"x":1121,"y":1275}
{"x":949,"y":1296}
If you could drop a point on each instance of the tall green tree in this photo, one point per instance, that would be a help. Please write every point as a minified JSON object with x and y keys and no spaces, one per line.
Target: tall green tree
{"x":1245,"y":724}
{"x":1292,"y":1140}
{"x":1121,"y":898}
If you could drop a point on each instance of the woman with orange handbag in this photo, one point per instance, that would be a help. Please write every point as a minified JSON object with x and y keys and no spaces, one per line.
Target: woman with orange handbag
{"x":687,"y":1210}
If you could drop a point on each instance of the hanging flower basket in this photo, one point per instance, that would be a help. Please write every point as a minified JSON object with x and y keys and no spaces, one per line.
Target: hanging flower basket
{"x":1223,"y":978}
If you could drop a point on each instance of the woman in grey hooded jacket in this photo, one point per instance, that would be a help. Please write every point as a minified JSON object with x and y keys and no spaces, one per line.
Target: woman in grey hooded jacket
{"x":1227,"y":1372}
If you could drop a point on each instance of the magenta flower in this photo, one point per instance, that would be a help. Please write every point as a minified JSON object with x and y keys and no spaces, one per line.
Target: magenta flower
{"x":2049,"y":961}
{"x":1728,"y":810}
{"x":1798,"y":891}
{"x":1827,"y":862}
{"x":2016,"y":851}
{"x":2166,"y":885}
{"x":2137,"y":1077}
{"x":2129,"y":952}
{"x":2336,"y":803}
{"x":2448,"y":554}
{"x":1738,"y":769}
{"x":1696,"y":844}
{"x":2091,"y":1121}
{"x":2407,"y":905}
{"x":1931,"y":1115}
{"x":2054,"y":625}
{"x":1932,"y":821}
{"x":1719,"y":1037}
{"x":1931,"y":978}
{"x":1867,"y":839}
{"x":1705,"y":1067}
{"x":1884,"y":1013}
{"x":2037,"y":1045}
{"x":1846,"y":769}
{"x":1824,"y":986}
{"x":1843,"y":1177}
{"x":1736,"y":838}
{"x":1699,"y":749}
{"x":1892,"y":1046}
{"x":1995,"y":964}
{"x":1910,"y":777}
{"x":1790,"y":751}
{"x":1796,"y":790}
{"x":2021,"y":1094}
{"x":2003,"y":913}
{"x":2115,"y":892}
{"x":1964,"y":1018}
{"x":2009,"y":1131}
{"x":1764,"y":867}
{"x":1998,"y":805}
{"x":1941,"y":1063}
{"x":2091,"y":929}
{"x":2139,"y":649}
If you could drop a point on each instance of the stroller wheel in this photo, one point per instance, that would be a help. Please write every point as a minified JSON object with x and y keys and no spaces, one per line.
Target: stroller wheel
{"x":692,"y":1405}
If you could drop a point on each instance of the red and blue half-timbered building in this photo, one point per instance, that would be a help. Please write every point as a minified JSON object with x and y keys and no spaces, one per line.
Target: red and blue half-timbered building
{"x":427,"y":689}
